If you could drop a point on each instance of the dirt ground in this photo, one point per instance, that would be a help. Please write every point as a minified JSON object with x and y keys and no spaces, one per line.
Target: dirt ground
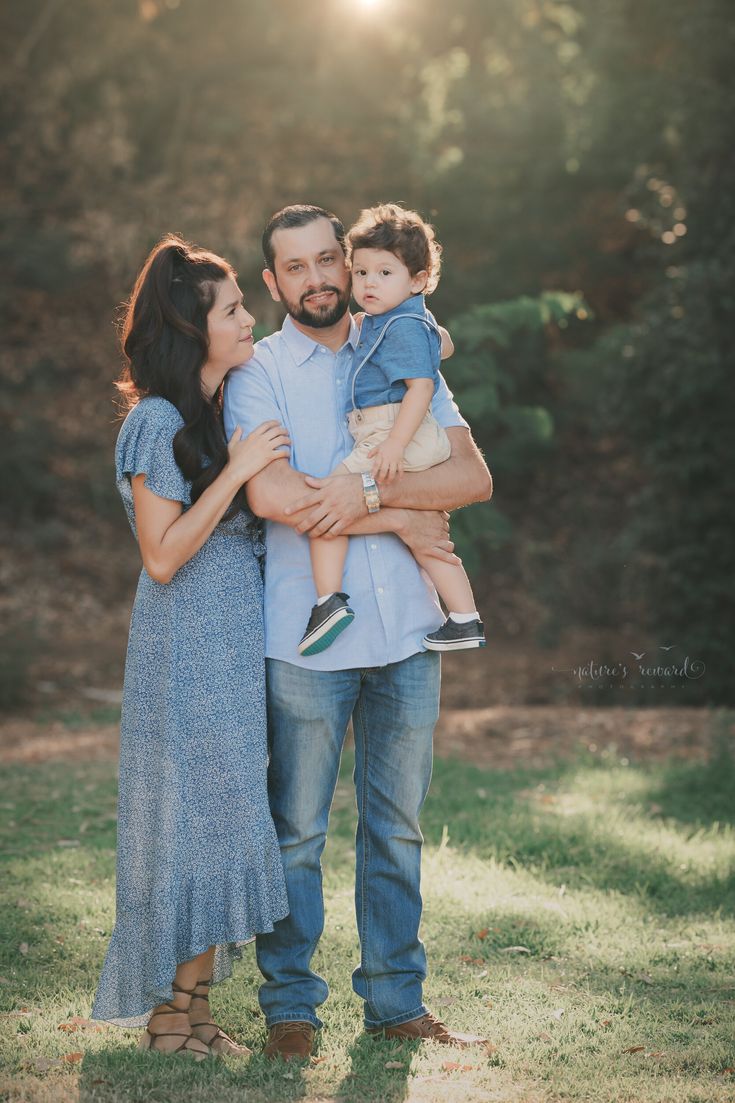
{"x":511,"y":704}
{"x":499,"y":736}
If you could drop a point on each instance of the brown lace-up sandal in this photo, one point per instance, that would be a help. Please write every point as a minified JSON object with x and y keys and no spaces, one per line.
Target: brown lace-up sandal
{"x":190,"y":1046}
{"x":208,"y":1032}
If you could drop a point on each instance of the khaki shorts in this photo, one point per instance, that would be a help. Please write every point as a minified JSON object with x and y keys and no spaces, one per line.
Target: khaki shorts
{"x":372,"y":425}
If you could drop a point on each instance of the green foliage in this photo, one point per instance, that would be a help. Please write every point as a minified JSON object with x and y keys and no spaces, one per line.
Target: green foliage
{"x":18,"y":644}
{"x":27,"y":444}
{"x":500,"y":374}
{"x":660,"y":381}
{"x":668,"y":376}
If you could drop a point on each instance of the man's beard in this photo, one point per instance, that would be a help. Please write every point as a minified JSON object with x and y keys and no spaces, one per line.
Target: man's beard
{"x":317,"y":317}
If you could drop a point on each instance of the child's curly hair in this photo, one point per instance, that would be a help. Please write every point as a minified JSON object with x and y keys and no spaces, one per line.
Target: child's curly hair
{"x":403,"y":233}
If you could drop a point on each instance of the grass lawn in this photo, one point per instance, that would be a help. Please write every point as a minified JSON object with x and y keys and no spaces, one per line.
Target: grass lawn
{"x":580,"y":916}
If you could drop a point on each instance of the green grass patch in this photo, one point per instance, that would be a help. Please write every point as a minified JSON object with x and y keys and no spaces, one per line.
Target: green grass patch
{"x":580,"y":916}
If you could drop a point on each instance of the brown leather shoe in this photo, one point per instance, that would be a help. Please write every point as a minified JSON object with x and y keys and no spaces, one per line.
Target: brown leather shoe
{"x":293,"y":1041}
{"x":428,"y":1028}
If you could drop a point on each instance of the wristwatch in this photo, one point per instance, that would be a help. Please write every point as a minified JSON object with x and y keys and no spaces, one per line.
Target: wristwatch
{"x":371,"y":492}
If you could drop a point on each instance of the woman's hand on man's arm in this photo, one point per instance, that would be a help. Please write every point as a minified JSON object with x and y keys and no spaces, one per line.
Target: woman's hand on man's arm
{"x":170,"y":536}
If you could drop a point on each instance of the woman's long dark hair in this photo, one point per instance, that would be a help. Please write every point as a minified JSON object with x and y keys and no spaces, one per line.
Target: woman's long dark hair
{"x":164,"y":338}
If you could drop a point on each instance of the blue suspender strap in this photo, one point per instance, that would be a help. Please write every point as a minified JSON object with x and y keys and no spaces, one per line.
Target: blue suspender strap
{"x":377,"y":341}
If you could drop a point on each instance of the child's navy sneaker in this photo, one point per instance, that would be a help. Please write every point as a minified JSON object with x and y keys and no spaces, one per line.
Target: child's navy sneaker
{"x":456,"y":637}
{"x":325,"y":624}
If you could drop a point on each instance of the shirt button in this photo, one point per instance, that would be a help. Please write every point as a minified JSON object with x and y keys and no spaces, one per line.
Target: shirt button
{"x":374,"y":547}
{"x":380,"y":589}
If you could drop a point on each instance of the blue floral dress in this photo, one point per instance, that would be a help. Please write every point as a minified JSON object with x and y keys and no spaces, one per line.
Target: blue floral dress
{"x":197,"y":857}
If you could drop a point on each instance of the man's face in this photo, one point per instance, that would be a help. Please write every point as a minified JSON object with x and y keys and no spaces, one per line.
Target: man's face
{"x":311,"y":278}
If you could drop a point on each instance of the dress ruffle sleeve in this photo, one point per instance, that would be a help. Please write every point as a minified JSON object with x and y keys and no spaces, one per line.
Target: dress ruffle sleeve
{"x":145,"y":447}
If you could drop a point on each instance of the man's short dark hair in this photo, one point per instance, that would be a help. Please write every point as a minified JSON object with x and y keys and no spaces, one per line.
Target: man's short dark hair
{"x":298,"y":214}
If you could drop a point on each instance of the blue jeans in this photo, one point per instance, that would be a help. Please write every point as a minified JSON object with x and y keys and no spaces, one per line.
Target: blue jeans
{"x":394,"y":709}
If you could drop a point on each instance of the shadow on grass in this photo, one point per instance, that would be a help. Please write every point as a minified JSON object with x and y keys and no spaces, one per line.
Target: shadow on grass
{"x":516,"y":818}
{"x":570,"y":946}
{"x":513,"y":818}
{"x":109,"y":1076}
{"x":379,"y":1071}
{"x":623,"y":841}
{"x":702,"y":794}
{"x":58,"y":805}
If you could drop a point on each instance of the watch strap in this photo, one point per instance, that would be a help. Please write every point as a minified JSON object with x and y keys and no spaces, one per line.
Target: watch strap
{"x":371,"y":492}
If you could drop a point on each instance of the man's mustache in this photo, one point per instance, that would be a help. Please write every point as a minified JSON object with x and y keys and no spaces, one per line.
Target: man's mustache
{"x":319,"y":291}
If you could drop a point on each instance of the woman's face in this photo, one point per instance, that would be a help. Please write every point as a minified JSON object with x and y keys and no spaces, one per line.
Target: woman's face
{"x":230,"y":332}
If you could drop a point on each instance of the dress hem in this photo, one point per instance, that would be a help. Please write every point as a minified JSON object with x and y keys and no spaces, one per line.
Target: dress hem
{"x":232,"y":950}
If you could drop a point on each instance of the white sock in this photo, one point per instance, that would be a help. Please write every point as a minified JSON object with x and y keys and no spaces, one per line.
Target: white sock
{"x":464,"y":618}
{"x":321,"y":600}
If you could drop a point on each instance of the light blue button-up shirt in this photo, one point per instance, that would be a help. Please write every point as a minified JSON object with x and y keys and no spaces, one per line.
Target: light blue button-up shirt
{"x":306,"y":387}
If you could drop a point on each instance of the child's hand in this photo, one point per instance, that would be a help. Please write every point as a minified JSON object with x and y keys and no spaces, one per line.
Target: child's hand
{"x":387,"y":460}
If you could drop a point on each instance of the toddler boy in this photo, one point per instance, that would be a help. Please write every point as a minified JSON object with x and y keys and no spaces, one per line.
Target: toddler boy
{"x":395,"y":262}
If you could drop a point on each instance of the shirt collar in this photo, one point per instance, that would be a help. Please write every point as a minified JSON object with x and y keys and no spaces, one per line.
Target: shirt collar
{"x":302,"y":347}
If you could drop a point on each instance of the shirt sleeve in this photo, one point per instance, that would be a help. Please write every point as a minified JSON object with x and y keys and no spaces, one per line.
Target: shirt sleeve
{"x":444,"y":408}
{"x":250,"y":398}
{"x":409,"y":350}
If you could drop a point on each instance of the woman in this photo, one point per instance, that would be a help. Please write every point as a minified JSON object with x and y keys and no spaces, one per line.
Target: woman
{"x":198,"y":867}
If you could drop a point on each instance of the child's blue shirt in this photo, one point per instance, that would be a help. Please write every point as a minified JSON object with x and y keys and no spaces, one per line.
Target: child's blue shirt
{"x":408,"y":350}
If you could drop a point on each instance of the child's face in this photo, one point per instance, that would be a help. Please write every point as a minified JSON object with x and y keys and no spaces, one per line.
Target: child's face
{"x":380,"y":280}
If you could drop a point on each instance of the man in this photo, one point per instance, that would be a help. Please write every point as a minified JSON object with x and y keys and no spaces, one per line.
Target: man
{"x":380,"y":677}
